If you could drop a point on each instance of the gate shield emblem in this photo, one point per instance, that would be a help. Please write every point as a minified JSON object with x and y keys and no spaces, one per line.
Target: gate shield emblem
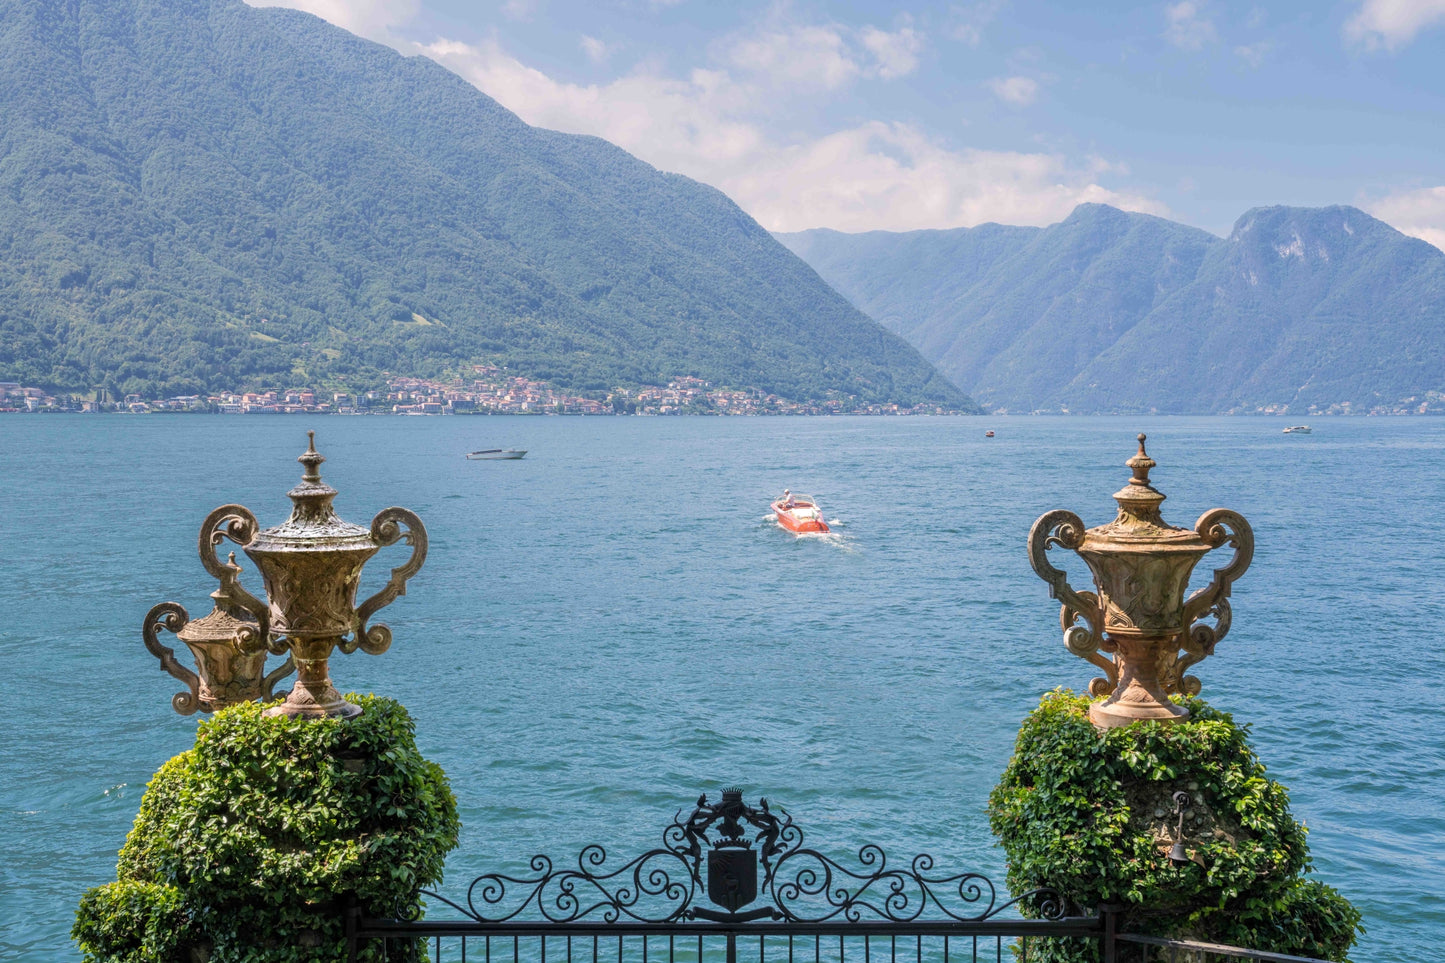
{"x":732,"y":876}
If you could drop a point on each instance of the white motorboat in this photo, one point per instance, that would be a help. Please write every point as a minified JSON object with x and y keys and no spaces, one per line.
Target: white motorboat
{"x":1297,"y":430}
{"x":495,"y":454}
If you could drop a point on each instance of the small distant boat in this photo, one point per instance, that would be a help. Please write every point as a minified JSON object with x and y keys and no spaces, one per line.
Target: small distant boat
{"x":800,"y":513}
{"x":1297,"y":430}
{"x":492,"y":454}
{"x":988,"y":434}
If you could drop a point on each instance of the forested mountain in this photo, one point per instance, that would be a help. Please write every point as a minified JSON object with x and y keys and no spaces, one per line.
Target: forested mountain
{"x":201,"y":194}
{"x":1297,"y":310}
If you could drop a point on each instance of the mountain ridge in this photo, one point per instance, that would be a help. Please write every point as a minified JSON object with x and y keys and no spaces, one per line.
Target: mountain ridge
{"x":1298,"y":310}
{"x":202,"y":195}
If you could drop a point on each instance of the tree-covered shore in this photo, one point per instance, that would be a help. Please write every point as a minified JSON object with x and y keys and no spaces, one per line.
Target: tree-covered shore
{"x":208,"y":196}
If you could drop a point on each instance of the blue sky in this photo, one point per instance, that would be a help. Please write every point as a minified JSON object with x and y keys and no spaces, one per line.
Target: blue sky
{"x":870,"y":115}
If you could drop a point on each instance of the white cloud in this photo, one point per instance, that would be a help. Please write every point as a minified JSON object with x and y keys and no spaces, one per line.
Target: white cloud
{"x":1392,"y":24}
{"x":895,"y":54}
{"x":685,"y":125}
{"x":970,"y":21}
{"x":813,"y":58}
{"x":367,"y":18}
{"x":1019,"y":91}
{"x":595,"y":49}
{"x":1185,"y":27}
{"x":806,"y":57}
{"x":1253,"y":53}
{"x":894,"y":177}
{"x":870,"y":176}
{"x":1418,"y":213}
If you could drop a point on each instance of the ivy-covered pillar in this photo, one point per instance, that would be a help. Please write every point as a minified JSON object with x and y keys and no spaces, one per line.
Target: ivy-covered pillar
{"x":1140,"y":796}
{"x":1092,"y":814}
{"x":252,"y":845}
{"x":256,"y":844}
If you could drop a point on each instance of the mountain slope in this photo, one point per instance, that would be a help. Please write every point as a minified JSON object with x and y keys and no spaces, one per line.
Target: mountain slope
{"x":1298,"y":310}
{"x":197,"y":193}
{"x":910,"y":277}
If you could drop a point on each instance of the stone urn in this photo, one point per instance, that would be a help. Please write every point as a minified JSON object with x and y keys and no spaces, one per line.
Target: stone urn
{"x":1137,"y":626}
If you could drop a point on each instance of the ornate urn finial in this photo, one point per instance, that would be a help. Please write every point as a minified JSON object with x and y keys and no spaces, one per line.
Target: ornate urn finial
{"x":312,"y":459}
{"x":1139,"y":617}
{"x":311,"y":566}
{"x":1141,"y":463}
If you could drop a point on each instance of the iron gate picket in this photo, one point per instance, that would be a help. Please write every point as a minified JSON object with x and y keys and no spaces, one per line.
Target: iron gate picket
{"x":812,"y":907}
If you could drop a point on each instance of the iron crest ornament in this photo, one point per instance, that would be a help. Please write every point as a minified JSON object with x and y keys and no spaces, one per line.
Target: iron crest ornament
{"x":751,"y":854}
{"x":1138,"y":627}
{"x":311,"y":567}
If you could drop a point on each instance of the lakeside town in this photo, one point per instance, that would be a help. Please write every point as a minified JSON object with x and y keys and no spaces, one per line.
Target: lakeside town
{"x":490,"y":391}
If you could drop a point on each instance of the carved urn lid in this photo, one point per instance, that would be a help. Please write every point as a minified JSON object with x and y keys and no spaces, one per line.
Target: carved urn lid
{"x":1139,"y":527}
{"x":219,"y":626}
{"x":227,"y":621}
{"x":314,"y":525}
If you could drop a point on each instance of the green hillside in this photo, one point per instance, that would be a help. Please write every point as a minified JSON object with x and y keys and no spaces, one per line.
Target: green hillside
{"x":1298,"y":310}
{"x":198,"y":194}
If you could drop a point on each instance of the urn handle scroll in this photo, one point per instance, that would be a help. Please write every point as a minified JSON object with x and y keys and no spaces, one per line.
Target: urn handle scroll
{"x":1218,"y":527}
{"x":172,"y":616}
{"x":238,"y":524}
{"x":1065,"y":529}
{"x":386,"y":529}
{"x":268,"y":684}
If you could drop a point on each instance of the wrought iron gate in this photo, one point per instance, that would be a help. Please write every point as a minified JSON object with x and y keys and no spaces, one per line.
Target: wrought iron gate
{"x":769,"y":898}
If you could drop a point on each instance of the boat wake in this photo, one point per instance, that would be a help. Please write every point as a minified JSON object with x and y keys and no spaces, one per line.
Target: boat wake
{"x":839,"y":540}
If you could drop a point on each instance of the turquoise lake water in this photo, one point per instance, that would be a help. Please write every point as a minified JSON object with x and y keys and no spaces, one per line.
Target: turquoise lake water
{"x":611,"y":626}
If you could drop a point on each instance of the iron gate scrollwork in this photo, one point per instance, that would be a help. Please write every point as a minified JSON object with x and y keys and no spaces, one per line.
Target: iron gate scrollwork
{"x":800,"y":884}
{"x":713,"y":865}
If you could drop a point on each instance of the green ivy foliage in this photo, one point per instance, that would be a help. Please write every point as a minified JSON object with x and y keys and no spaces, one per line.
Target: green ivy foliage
{"x":252,"y":844}
{"x":135,"y":922}
{"x":1089,"y":814}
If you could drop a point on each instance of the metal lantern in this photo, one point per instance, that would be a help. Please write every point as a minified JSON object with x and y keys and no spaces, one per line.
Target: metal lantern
{"x":1178,"y":855}
{"x":311,"y":566}
{"x":1150,"y":633}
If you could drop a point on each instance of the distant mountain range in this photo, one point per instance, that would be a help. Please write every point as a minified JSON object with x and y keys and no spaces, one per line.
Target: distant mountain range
{"x":1297,"y":311}
{"x":198,"y":194}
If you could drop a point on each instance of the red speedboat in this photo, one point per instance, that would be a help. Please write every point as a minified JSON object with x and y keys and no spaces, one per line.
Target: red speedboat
{"x":800,"y":513}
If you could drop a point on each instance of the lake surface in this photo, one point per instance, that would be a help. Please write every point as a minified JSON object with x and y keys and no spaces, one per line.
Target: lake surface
{"x":611,"y":626}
